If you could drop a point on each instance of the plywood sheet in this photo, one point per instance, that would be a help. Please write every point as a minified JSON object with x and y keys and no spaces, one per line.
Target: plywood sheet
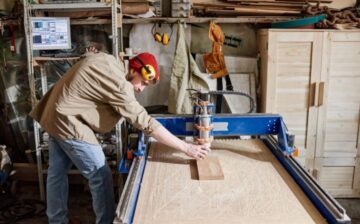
{"x":256,"y":188}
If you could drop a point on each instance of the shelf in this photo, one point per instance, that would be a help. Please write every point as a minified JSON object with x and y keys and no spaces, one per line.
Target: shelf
{"x":72,"y":6}
{"x":90,"y":21}
{"x":39,"y":60}
{"x":14,"y":22}
{"x":243,"y":19}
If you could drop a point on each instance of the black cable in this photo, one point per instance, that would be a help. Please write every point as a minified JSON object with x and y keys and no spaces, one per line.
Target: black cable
{"x":252,"y":101}
{"x":21,"y":209}
{"x":222,"y":92}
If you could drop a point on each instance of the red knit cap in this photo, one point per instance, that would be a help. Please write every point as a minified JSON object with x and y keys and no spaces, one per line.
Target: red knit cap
{"x":147,"y":59}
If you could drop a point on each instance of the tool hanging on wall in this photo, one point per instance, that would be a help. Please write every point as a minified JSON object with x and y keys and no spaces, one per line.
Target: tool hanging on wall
{"x":163,"y":38}
{"x":215,"y":61}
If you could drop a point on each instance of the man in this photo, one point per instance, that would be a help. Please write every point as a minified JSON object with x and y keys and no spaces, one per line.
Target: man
{"x":92,"y":96}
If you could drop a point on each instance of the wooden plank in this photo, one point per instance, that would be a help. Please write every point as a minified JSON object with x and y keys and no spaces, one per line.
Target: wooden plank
{"x":262,"y":40}
{"x":194,"y":20}
{"x":256,"y":188}
{"x":272,"y":69}
{"x":290,"y":1}
{"x":209,"y":169}
{"x":250,"y":11}
{"x":280,"y":6}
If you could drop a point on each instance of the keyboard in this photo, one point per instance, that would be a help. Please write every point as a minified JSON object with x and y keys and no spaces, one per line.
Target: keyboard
{"x":66,"y":55}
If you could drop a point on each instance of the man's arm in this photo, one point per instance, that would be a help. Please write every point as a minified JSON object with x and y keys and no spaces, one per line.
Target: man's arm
{"x":121,"y":97}
{"x":162,"y":135}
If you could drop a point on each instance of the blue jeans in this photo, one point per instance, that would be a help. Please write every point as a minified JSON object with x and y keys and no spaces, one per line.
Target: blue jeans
{"x":90,"y":161}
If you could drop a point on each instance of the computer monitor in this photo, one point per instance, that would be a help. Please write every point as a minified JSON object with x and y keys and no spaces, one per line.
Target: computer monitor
{"x":50,"y":33}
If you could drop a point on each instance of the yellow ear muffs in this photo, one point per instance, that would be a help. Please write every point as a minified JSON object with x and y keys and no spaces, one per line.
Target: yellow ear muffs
{"x":165,"y":39}
{"x":148,"y":72}
{"x":158,"y":37}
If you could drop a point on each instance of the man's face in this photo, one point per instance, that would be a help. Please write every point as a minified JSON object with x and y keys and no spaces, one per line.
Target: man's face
{"x":137,"y":81}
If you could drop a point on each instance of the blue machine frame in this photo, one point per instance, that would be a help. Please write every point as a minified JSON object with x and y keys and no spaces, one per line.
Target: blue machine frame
{"x":262,"y":125}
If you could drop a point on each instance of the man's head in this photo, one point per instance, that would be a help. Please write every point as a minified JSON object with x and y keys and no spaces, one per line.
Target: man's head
{"x":143,"y":71}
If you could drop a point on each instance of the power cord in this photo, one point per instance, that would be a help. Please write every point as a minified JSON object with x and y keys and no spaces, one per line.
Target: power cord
{"x":13,"y":210}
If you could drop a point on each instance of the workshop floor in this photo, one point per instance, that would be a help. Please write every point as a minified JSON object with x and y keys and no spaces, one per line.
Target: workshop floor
{"x":80,"y":209}
{"x":352,"y":207}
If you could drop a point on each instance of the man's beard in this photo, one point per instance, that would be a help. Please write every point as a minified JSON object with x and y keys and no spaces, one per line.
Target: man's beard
{"x":129,"y":78}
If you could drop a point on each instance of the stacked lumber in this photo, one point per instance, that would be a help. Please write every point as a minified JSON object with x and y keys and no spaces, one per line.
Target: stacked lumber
{"x":253,"y":7}
{"x":129,"y":7}
{"x":134,"y":7}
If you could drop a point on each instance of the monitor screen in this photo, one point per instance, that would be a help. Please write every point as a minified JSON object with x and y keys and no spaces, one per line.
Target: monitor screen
{"x":49,"y":33}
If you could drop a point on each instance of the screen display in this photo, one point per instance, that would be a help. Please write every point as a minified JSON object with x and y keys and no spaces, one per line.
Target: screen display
{"x":50,"y":33}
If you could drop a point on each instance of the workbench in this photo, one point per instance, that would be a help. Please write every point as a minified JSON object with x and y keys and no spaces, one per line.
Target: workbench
{"x":255,"y":189}
{"x":263,"y":182}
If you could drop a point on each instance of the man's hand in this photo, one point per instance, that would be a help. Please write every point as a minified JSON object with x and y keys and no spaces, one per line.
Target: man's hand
{"x":92,"y":49}
{"x":197,"y":151}
{"x":165,"y":137}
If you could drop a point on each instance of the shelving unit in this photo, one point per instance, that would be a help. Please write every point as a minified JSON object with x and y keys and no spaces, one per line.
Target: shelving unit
{"x":243,"y":19}
{"x":30,"y":10}
{"x":75,"y":6}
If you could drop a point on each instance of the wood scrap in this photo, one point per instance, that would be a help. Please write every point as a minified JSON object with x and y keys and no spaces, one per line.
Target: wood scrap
{"x":132,"y":1}
{"x":209,"y":169}
{"x":135,"y":8}
{"x":252,"y":7}
{"x":295,"y":1}
{"x":131,"y":7}
{"x":246,"y":11}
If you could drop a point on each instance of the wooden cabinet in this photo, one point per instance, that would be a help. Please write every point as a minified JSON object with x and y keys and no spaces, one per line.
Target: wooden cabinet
{"x":312,"y":78}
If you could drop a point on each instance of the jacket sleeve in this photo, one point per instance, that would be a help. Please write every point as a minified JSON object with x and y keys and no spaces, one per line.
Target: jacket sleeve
{"x":122,"y":99}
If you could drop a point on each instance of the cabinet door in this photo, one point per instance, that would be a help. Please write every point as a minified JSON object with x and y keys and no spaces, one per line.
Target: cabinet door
{"x":293,"y":68}
{"x":339,"y":114}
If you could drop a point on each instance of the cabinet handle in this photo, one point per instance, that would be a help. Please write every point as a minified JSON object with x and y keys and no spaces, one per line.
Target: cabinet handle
{"x":321,"y":94}
{"x":315,"y":173}
{"x":358,"y":131}
{"x":312,"y":94}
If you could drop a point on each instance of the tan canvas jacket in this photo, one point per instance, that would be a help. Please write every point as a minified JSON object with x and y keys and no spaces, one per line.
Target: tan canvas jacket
{"x":91,"y":96}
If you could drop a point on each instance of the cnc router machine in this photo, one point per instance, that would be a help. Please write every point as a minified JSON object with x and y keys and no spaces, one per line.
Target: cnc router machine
{"x":263,"y":183}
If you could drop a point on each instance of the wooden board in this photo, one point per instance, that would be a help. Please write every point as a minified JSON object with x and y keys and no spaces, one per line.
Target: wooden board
{"x":209,"y":169}
{"x":256,"y":188}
